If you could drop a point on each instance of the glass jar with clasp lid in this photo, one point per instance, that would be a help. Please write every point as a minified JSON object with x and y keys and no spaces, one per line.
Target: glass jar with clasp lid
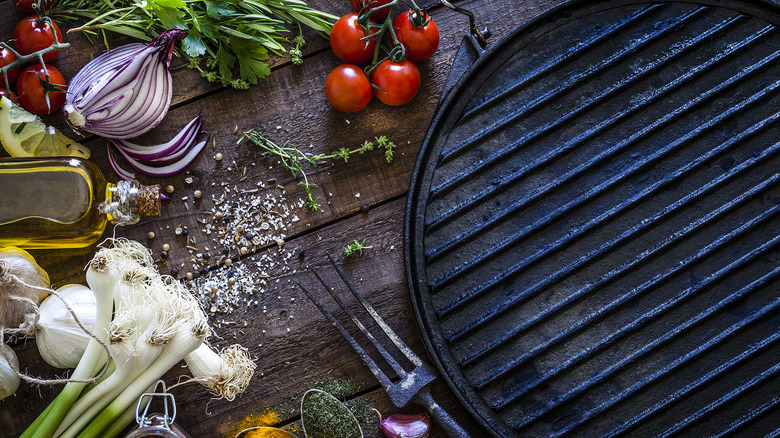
{"x":156,"y":425}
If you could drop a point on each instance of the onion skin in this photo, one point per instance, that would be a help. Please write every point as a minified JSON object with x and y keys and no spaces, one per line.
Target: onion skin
{"x":126,"y":92}
{"x":406,"y":426}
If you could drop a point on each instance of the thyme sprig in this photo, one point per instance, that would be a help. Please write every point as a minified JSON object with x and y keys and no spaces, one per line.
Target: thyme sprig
{"x":220,"y":33}
{"x":356,"y":248}
{"x":293,"y":159}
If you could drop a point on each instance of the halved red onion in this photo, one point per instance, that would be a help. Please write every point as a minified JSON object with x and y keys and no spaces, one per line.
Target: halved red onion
{"x":125,"y":92}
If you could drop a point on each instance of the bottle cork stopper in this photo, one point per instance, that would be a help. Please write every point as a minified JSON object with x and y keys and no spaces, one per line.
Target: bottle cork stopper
{"x":149,"y":200}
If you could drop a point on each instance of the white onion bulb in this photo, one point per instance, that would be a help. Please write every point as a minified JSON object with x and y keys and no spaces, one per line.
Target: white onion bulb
{"x":59,"y":338}
{"x":9,"y":380}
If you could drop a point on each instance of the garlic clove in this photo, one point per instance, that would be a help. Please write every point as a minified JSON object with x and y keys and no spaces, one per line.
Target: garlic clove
{"x":9,"y":380}
{"x":406,"y":426}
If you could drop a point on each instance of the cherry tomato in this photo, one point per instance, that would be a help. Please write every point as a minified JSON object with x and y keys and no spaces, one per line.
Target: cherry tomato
{"x":7,"y":57}
{"x":33,"y":34}
{"x":347,"y":43}
{"x":420,"y":41}
{"x":9,"y":94}
{"x":30,"y":5}
{"x":33,"y":90}
{"x":377,"y":16}
{"x":347,"y":88}
{"x":398,"y":81}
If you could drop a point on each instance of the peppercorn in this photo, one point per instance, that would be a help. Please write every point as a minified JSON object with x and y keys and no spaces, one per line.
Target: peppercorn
{"x":204,"y":272}
{"x":174,"y":271}
{"x":206,"y":256}
{"x":185,"y":231}
{"x":164,"y":254}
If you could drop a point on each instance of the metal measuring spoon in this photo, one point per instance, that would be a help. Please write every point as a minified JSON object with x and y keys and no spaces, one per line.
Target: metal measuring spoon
{"x":267,"y":432}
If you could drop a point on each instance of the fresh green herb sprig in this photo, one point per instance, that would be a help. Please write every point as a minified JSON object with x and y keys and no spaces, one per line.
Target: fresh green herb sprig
{"x":355,"y":248}
{"x":293,"y":159}
{"x":220,"y":33}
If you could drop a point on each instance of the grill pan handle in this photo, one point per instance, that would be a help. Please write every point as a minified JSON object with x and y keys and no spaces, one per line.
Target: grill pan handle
{"x":471,"y":48}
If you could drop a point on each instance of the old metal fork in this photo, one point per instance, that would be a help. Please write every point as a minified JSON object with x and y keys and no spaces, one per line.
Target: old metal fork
{"x":412,"y":385}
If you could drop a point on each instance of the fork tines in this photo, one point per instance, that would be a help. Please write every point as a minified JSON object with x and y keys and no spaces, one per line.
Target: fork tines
{"x":411,"y":382}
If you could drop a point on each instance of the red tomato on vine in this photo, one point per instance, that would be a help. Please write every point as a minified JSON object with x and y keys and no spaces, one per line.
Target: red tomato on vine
{"x":33,"y":89}
{"x":347,"y":88}
{"x":348,"y":40}
{"x":418,"y":34}
{"x":377,"y":16}
{"x":30,"y":6}
{"x":9,"y":94}
{"x":398,"y":81}
{"x":7,"y":57}
{"x":33,"y":34}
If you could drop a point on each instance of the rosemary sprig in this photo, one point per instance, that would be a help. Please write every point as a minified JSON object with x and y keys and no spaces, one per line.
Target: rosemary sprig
{"x":356,"y":248}
{"x":220,"y":33}
{"x":293,"y":159}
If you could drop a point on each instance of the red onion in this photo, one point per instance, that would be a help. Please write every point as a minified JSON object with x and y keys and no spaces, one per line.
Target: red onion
{"x":406,"y":426}
{"x":159,"y":160}
{"x":125,"y":92}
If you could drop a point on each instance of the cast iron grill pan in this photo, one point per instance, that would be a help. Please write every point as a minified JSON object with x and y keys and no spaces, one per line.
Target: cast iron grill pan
{"x":592,"y":229}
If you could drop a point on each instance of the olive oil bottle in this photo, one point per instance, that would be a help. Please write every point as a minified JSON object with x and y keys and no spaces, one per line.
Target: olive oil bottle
{"x":65,"y":202}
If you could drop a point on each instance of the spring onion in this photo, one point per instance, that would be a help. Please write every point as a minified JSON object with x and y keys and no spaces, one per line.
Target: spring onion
{"x":224,"y":374}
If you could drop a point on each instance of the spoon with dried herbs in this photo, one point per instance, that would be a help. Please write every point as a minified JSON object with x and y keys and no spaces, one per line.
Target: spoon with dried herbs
{"x":324,"y":416}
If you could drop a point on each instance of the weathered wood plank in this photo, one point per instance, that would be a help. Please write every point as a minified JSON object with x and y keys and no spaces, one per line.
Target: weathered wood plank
{"x":288,"y":360}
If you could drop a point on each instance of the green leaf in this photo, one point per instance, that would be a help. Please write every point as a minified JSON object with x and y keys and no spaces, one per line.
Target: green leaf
{"x":170,"y":17}
{"x":193,"y":44}
{"x":170,"y":3}
{"x":226,"y":61}
{"x":252,"y":69}
{"x":218,"y":8}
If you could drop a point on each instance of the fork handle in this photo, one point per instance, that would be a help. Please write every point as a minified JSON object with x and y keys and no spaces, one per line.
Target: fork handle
{"x":441,"y":416}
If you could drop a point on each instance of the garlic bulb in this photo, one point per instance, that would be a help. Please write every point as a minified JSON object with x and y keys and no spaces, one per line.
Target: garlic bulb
{"x":22,"y":284}
{"x":59,"y":338}
{"x":9,"y":380}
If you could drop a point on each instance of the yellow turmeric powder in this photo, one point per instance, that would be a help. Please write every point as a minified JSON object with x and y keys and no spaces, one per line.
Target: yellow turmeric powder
{"x":268,"y":432}
{"x":268,"y":417}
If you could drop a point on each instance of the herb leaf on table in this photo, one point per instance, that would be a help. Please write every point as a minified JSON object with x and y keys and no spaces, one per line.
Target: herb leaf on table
{"x":219,"y":32}
{"x":293,"y":159}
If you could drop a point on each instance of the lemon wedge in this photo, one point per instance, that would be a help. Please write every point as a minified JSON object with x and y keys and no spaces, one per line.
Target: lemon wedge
{"x":23,"y":134}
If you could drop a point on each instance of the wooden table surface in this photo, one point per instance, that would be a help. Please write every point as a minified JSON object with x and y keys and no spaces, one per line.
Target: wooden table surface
{"x":294,"y":345}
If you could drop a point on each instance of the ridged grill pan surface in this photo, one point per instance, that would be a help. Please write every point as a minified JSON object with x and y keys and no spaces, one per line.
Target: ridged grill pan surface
{"x":592,"y":229}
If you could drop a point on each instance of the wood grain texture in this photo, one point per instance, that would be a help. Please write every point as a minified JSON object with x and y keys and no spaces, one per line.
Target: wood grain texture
{"x":289,"y":105}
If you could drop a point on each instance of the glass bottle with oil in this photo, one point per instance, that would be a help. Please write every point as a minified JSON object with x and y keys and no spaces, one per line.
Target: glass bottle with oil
{"x":65,"y":202}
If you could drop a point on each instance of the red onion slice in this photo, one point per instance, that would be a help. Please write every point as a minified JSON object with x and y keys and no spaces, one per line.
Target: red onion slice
{"x":125,"y":175}
{"x":170,"y":169}
{"x":182,"y":140}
